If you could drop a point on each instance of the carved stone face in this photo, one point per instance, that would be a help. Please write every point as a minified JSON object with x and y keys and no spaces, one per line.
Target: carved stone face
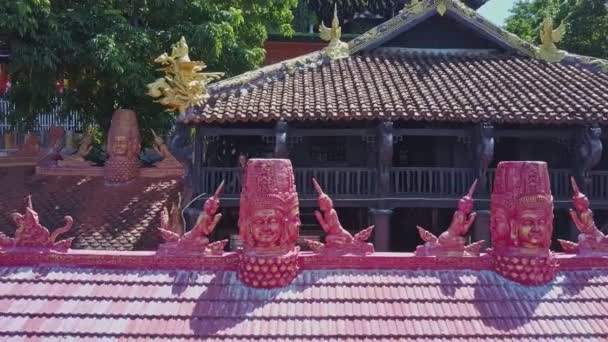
{"x":533,"y":227}
{"x":266,"y":227}
{"x":120,"y":146}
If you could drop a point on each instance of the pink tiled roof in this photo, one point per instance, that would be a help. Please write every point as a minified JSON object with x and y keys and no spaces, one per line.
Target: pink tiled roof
{"x":99,"y":215}
{"x":70,"y":303}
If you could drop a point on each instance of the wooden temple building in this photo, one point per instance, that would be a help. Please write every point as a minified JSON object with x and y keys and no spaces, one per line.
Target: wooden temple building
{"x":395,"y":126}
{"x":398,"y":128}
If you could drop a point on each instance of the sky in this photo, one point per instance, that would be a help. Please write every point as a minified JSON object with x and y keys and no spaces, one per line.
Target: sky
{"x":496,"y":10}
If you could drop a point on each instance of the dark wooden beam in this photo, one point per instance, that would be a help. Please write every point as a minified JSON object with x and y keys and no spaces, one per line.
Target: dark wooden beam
{"x":546,"y":133}
{"x":431,"y":132}
{"x":330,"y":132}
{"x":214,"y":131}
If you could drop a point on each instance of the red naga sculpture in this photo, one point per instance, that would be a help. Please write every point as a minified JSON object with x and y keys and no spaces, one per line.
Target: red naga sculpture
{"x":591,"y":240}
{"x":452,"y":241}
{"x":195,"y":241}
{"x":31,"y":234}
{"x":269,"y":224}
{"x":522,"y":222}
{"x":338,"y":240}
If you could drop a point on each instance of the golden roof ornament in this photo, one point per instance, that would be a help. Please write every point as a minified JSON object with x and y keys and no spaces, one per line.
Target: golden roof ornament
{"x":442,"y":7}
{"x":184,"y":85}
{"x":549,"y":36}
{"x":336,"y":48}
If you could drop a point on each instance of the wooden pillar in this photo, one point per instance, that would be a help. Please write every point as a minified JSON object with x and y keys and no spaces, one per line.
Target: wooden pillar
{"x":382,"y":229}
{"x":483,"y":139}
{"x":385,"y":157}
{"x":180,"y":145}
{"x":587,"y":154}
{"x":280,"y":142}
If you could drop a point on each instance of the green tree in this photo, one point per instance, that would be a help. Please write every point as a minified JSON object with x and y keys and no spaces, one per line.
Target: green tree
{"x":586,"y":20}
{"x":106,"y":48}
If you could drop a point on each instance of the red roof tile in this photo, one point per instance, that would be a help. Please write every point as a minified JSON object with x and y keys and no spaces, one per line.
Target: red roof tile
{"x":320,"y":304}
{"x":496,"y":87}
{"x":105,"y":217}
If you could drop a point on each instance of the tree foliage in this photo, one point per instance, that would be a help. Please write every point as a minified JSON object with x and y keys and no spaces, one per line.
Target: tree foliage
{"x":586,"y":20}
{"x":105,"y":48}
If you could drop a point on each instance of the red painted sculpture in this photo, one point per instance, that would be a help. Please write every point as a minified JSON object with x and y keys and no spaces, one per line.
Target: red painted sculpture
{"x":56,"y":143}
{"x":591,"y":240}
{"x":269,"y":224}
{"x":31,"y":234}
{"x":195,"y":241}
{"x":30,"y":147}
{"x":123,"y":147}
{"x":452,"y":241}
{"x":338,"y":240}
{"x":522,"y":222}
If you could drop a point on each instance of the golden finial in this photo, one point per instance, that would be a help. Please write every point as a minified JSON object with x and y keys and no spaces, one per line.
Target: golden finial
{"x":184,"y":85}
{"x":336,"y":48}
{"x":442,"y":7}
{"x":548,"y":36}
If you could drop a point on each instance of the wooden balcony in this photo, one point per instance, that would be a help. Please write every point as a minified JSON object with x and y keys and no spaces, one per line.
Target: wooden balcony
{"x":339,"y":182}
{"x":405,"y":182}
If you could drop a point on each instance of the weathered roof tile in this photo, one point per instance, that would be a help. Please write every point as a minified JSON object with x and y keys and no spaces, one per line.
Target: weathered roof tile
{"x":423,"y":86}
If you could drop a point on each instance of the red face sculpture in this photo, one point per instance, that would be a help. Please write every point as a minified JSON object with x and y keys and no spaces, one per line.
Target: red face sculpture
{"x":123,"y":147}
{"x":522,"y":206}
{"x":266,"y":227}
{"x":530,"y":228}
{"x":522,"y":222}
{"x":269,"y":211}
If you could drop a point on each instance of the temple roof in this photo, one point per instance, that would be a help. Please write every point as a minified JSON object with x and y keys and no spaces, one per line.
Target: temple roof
{"x":422,"y":86}
{"x":98,"y":210}
{"x":349,"y":8}
{"x":144,"y":303}
{"x":506,"y":83}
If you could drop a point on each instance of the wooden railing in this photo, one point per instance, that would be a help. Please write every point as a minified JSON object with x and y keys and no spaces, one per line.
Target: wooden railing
{"x":434,"y":181}
{"x":404,"y":182}
{"x":336,"y":181}
{"x":210,"y":177}
{"x":599,"y":184}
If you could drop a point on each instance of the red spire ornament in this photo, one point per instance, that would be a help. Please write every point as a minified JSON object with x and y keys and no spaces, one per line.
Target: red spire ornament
{"x":591,"y":241}
{"x":338,"y":239}
{"x":452,"y":241}
{"x":195,"y":241}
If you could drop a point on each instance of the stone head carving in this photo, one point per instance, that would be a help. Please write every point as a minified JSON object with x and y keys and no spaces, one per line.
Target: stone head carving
{"x":269,"y":224}
{"x":522,"y":206}
{"x":522,"y":222}
{"x":123,"y":147}
{"x":123,"y":137}
{"x":269,"y":209}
